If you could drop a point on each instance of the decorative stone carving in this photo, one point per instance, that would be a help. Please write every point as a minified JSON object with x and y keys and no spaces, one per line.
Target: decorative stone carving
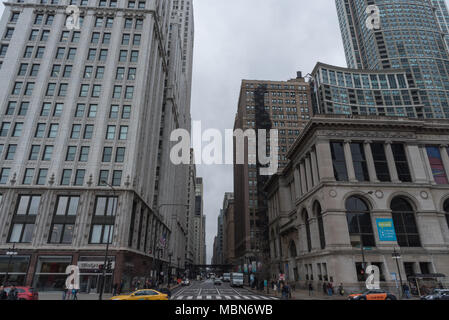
{"x":424,"y":195}
{"x":379,"y":194}
{"x":333,"y":193}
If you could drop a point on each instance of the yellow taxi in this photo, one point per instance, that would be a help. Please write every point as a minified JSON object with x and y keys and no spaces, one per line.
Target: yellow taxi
{"x":373,"y":295}
{"x":146,"y":294}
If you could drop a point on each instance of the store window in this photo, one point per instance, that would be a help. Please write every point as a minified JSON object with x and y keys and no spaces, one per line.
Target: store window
{"x":380,"y":162}
{"x":23,"y":222}
{"x":338,"y":161}
{"x":103,"y":220}
{"x":405,"y":223}
{"x":359,"y":160}
{"x":16,"y":267}
{"x":50,"y":273}
{"x":400,"y":159}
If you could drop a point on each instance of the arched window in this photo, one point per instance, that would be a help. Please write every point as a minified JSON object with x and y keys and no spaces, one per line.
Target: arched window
{"x":319,"y":215}
{"x":359,"y":222}
{"x":292,"y":248}
{"x":405,"y":223}
{"x":446,"y":209}
{"x":307,"y":224}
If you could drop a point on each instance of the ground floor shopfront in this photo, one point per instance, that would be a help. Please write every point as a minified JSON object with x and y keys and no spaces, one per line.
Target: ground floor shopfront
{"x":46,"y":270}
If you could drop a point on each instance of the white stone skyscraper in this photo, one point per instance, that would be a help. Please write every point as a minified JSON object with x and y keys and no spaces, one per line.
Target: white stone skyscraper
{"x":83,"y":106}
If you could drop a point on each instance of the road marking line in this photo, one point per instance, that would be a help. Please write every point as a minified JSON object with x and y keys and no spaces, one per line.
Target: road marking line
{"x":209,"y":297}
{"x":189,"y":297}
{"x":265,"y":298}
{"x":218,"y":297}
{"x":246,"y":297}
{"x":180,"y":298}
{"x":237,"y":297}
{"x":199,"y":298}
{"x":228,"y":297}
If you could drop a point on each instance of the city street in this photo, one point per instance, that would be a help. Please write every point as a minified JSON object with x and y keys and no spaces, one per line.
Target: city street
{"x":206,"y":290}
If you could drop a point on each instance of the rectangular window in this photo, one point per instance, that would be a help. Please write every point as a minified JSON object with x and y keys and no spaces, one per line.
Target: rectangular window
{"x":46,"y":107}
{"x":23,"y":108}
{"x":136,"y":40}
{"x":58,"y":110}
{"x":84,"y":90}
{"x":100,"y":73}
{"x":28,"y":177}
{"x":11,"y":152}
{"x":104,"y":177}
{"x":60,"y":53}
{"x":132,"y":73}
{"x":23,"y":69}
{"x":27,"y":54}
{"x":117,"y":178}
{"x":67,"y":71}
{"x":71,"y":54}
{"x":21,"y":233}
{"x":400,"y":159}
{"x":42,"y":176}
{"x":11,"y":108}
{"x":113,"y":114}
{"x":120,"y":73}
{"x":48,"y":152}
{"x":338,"y":161}
{"x":5,"y":129}
{"x":107,"y":154}
{"x":79,"y":177}
{"x":29,"y":89}
{"x":17,"y":132}
{"x":103,"y":55}
{"x":106,"y":38}
{"x":62,"y":89}
{"x":123,"y":133}
{"x":64,"y":219}
{"x":117,"y":92}
{"x":53,"y":132}
{"x":110,"y":133}
{"x":123,"y":56}
{"x":88,"y":70}
{"x":79,"y":113}
{"x":84,"y":154}
{"x":129,"y":92}
{"x":95,"y":37}
{"x":125,"y":39}
{"x":96,"y":89}
{"x":71,"y":153}
{"x":126,"y":113}
{"x":380,"y":162}
{"x":91,"y":55}
{"x":134,"y":56}
{"x":66,"y":176}
{"x":92,"y":111}
{"x":120,"y":155}
{"x":4,"y":175}
{"x":76,"y":130}
{"x":359,"y":160}
{"x":34,"y":153}
{"x":88,"y":131}
{"x":4,"y":48}
{"x":51,"y":89}
{"x":17,"y":88}
{"x":44,"y":35}
{"x":40,"y":130}
{"x":437,"y":165}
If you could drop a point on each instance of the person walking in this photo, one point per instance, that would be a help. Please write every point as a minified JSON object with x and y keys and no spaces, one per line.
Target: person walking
{"x":285,"y":291}
{"x":325,"y":288}
{"x":330,"y":289}
{"x":74,"y":294}
{"x":406,"y":290}
{"x":310,"y":289}
{"x":341,"y":291}
{"x":114,"y":289}
{"x":64,"y":292}
{"x":13,"y":294}
{"x":3,"y":293}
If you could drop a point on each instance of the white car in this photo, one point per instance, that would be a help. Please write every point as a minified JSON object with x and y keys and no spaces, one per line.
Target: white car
{"x":185,"y":282}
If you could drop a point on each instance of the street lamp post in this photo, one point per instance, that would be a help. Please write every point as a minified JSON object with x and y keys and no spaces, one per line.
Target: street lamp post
{"x":396,"y":256}
{"x":100,"y":297}
{"x":9,"y":253}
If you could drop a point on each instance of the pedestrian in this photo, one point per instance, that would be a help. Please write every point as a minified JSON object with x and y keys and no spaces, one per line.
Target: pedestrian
{"x":275,"y":288}
{"x":341,"y":291}
{"x":122,"y":283}
{"x":64,"y":292}
{"x":285,"y":291}
{"x":3,"y":293}
{"x":325,"y":288}
{"x":68,"y":293}
{"x":74,"y":294}
{"x":406,"y":290}
{"x":114,"y":290}
{"x":330,"y":289}
{"x":310,"y":289}
{"x":13,"y":295}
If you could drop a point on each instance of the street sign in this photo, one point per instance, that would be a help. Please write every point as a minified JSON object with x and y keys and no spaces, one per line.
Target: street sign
{"x":11,"y":253}
{"x":385,"y":228}
{"x":393,"y":276}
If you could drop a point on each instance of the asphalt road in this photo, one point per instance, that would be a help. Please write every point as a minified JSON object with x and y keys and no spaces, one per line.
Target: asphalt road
{"x":206,"y":290}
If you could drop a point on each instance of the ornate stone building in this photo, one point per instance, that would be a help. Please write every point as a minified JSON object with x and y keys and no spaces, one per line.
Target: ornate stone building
{"x":346,"y":176}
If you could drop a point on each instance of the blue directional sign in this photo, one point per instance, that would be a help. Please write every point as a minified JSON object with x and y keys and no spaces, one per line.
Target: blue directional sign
{"x":386,"y":230}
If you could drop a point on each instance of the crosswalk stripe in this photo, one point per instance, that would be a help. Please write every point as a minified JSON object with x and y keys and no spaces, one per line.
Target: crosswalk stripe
{"x":246,"y":297}
{"x":209,"y":297}
{"x":265,"y":298}
{"x":228,"y":297}
{"x":179,"y":297}
{"x":273,"y":298}
{"x":189,"y":297}
{"x":200,"y":297}
{"x":237,"y":298}
{"x":218,"y":297}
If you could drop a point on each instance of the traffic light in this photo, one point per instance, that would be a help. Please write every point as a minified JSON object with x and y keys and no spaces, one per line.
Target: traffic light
{"x":109,"y":265}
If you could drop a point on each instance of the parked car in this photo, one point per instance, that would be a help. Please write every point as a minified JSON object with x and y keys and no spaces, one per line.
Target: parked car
{"x":25,"y":293}
{"x":185,"y":282}
{"x":145,"y":294}
{"x":373,"y":295}
{"x":437,"y":294}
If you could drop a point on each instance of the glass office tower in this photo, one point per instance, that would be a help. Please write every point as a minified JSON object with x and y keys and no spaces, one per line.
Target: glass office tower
{"x":413,"y":36}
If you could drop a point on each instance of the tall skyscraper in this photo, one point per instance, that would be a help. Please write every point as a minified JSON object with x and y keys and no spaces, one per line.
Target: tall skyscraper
{"x":199,"y":223}
{"x":281,"y":105}
{"x":84,"y":119}
{"x":413,"y":37}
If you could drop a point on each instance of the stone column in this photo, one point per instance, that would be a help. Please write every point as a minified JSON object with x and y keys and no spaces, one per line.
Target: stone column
{"x":416,"y":164}
{"x":349,"y":161}
{"x":370,"y":161}
{"x":303,"y":178}
{"x":313,"y":159}
{"x":309,"y":177}
{"x":445,"y":157}
{"x":324,"y":159}
{"x":391,"y":163}
{"x":297,"y":177}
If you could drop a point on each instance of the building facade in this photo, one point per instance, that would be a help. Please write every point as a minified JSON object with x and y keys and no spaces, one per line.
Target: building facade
{"x":228,"y":229}
{"x":346,"y":178}
{"x":413,"y":36}
{"x":199,"y":223}
{"x":281,"y":105}
{"x":83,"y":111}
